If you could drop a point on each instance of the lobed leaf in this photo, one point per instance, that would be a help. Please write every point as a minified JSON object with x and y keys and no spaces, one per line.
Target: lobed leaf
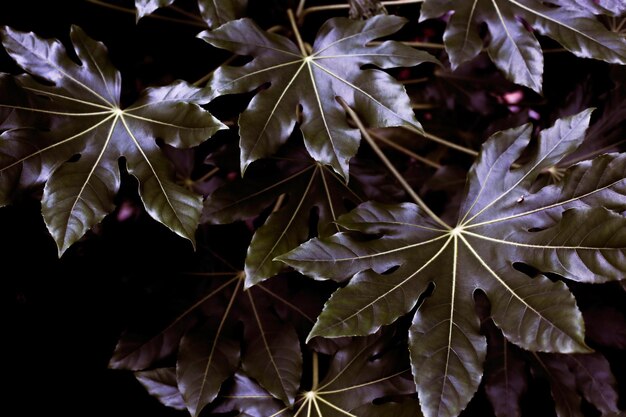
{"x":513,"y":47}
{"x":288,"y":78}
{"x":83,"y":118}
{"x":394,"y":253}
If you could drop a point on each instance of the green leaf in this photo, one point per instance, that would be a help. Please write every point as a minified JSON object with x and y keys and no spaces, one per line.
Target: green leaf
{"x":312,"y":81}
{"x":214,"y":12}
{"x":161,"y":384}
{"x":305,"y":184}
{"x":206,"y":359}
{"x":513,"y":48}
{"x":407,"y":252}
{"x":82,"y":109}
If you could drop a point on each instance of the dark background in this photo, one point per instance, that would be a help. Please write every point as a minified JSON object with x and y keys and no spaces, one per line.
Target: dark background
{"x":65,"y":315}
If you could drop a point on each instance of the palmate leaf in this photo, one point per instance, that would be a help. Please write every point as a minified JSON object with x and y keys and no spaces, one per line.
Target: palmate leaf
{"x":512,"y":47}
{"x":312,"y":81}
{"x":214,"y":12}
{"x":364,"y":370}
{"x":306,"y":184}
{"x":567,"y":229}
{"x":210,"y":353}
{"x":84,"y":118}
{"x":573,"y":377}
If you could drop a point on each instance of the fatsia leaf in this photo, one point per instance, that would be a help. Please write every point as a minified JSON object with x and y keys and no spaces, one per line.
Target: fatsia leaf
{"x":305,"y":184}
{"x":505,"y":377}
{"x":312,"y":81}
{"x":249,"y":399}
{"x":161,"y":384}
{"x":214,"y":12}
{"x":273,"y":356}
{"x":206,"y":359}
{"x":85,"y":119}
{"x":512,"y":47}
{"x":367,"y":369}
{"x":407,"y":252}
{"x":573,"y":375}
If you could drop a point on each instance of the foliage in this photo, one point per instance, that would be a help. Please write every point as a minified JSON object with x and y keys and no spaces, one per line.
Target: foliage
{"x":409,"y":208}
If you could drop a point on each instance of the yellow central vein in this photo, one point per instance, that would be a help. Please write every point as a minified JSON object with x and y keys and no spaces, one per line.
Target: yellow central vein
{"x":319,"y":105}
{"x":374,"y":255}
{"x":545,"y":155}
{"x":61,"y":96}
{"x":334,"y":407}
{"x":265,"y":342}
{"x":185,"y":313}
{"x":215,"y":342}
{"x":154,"y":172}
{"x":531,"y":246}
{"x":501,"y":281}
{"x":58,"y":113}
{"x":288,"y":225}
{"x":548,"y":207}
{"x":93,"y":167}
{"x":62,"y":142}
{"x":395,"y":287}
{"x":508,"y":34}
{"x":376,"y":381}
{"x":365,"y":93}
{"x":271,"y":114}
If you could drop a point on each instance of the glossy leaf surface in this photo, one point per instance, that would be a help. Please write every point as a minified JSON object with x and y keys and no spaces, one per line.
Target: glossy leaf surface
{"x":500,"y":223}
{"x":83,"y":118}
{"x":512,"y":46}
{"x":288,"y":78}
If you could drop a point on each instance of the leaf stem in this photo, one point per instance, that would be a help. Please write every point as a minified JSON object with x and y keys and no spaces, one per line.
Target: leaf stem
{"x":390,"y":165}
{"x":404,"y":150}
{"x":300,"y":8}
{"x":152,"y":16}
{"x":326,"y":7}
{"x":442,"y":141}
{"x":208,"y":75}
{"x":188,"y":14}
{"x":296,"y":32}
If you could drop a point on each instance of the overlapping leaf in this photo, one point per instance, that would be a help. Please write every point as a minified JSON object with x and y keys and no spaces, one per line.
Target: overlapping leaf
{"x":214,"y":12}
{"x":83,"y":118}
{"x":364,"y":370}
{"x":305,"y":186}
{"x":288,"y":78}
{"x":567,"y":229}
{"x":515,"y":49}
{"x":210,"y":353}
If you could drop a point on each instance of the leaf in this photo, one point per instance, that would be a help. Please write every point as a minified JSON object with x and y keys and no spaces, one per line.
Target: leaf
{"x":161,"y":384}
{"x":512,"y":47}
{"x":206,"y":359}
{"x":364,"y":370}
{"x":367,"y":369}
{"x":505,"y":377}
{"x":312,"y":81}
{"x":248,"y":398}
{"x":85,"y":120}
{"x":406,"y":252}
{"x":306,"y":186}
{"x":273,"y":356}
{"x":214,"y":12}
{"x":573,"y":375}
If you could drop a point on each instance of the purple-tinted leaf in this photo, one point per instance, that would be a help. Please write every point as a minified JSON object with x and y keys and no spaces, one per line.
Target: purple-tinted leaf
{"x":313,"y":81}
{"x":393,"y":253}
{"x":84,"y":118}
{"x":512,"y":47}
{"x":161,"y":384}
{"x":306,"y":186}
{"x":206,"y":359}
